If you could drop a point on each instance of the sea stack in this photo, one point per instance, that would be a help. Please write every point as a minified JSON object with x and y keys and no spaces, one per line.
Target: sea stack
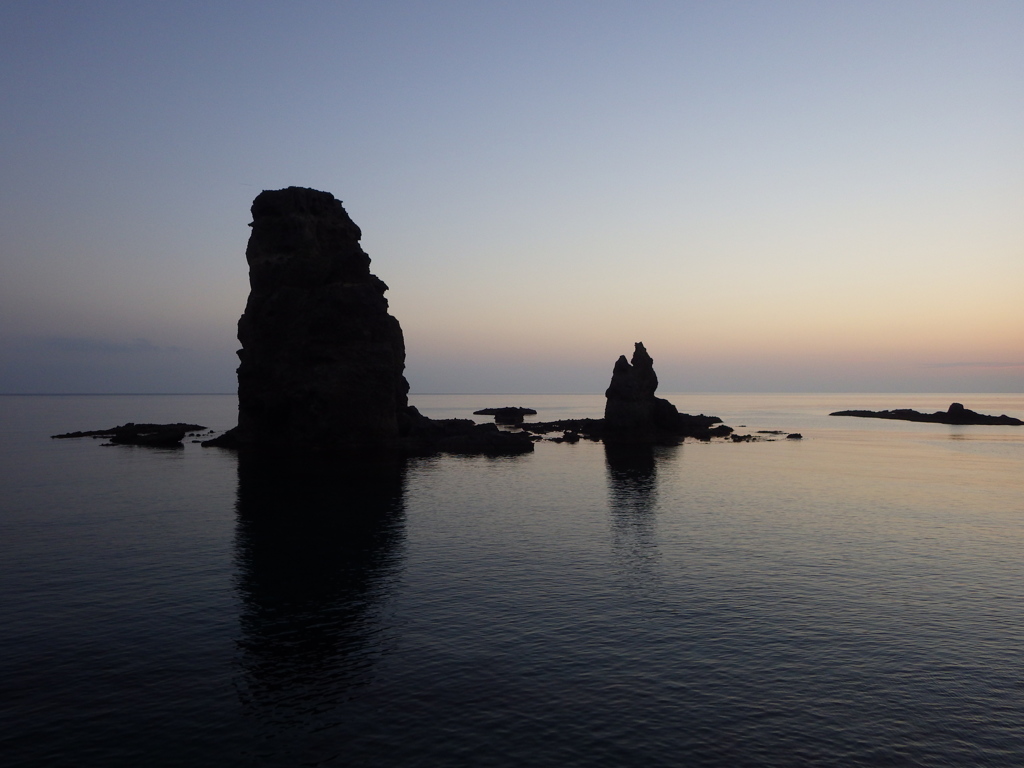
{"x":629,"y":407}
{"x":633,"y":414}
{"x":322,"y":361}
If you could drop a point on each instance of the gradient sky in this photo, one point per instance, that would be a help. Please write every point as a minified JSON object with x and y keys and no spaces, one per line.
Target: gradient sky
{"x":773,"y":196}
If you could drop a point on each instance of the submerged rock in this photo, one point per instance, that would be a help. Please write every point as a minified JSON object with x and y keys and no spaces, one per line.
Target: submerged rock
{"x":955,"y":414}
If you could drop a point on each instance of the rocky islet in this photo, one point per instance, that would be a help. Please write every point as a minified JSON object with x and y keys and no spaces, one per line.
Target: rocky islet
{"x":150,"y":435}
{"x":955,"y":414}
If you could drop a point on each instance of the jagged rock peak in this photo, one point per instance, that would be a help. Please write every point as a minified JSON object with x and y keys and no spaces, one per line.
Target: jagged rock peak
{"x":634,"y":380}
{"x":634,"y":414}
{"x":631,"y":405}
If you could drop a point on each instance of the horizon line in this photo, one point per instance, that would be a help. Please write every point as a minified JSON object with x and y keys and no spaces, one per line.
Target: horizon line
{"x":537,"y":394}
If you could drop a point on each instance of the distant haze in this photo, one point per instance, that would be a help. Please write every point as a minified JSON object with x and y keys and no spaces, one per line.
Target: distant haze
{"x":772,"y":196}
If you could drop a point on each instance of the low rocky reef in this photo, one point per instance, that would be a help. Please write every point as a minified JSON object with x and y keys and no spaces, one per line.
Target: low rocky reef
{"x":509,"y":414}
{"x":464,"y":436}
{"x":955,"y":414}
{"x":151,"y":435}
{"x":420,"y":436}
{"x":423,"y":437}
{"x":573,"y":430}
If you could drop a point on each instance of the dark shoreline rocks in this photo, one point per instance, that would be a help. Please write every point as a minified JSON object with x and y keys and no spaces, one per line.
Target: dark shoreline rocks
{"x":151,"y":435}
{"x":956,"y":414}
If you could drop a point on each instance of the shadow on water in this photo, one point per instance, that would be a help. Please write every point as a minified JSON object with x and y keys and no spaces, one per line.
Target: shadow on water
{"x":318,"y":549}
{"x":633,"y":499}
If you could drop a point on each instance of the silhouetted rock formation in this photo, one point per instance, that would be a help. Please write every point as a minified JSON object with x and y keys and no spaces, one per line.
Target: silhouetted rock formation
{"x":507,"y":415}
{"x":631,"y":406}
{"x":633,"y":414}
{"x":322,"y":361}
{"x":956,"y":414}
{"x":152,"y":435}
{"x":321,"y":358}
{"x":588,"y":429}
{"x":427,"y":436}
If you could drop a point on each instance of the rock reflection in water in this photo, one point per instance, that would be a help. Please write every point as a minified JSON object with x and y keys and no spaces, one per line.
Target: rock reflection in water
{"x":632,"y":499}
{"x":318,"y":549}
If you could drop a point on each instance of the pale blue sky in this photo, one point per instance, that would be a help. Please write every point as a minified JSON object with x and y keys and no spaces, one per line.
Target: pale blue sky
{"x":792,"y":196}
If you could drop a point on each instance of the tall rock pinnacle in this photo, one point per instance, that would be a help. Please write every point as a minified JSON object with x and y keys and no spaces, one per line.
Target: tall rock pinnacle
{"x":631,"y":408}
{"x":322,"y":361}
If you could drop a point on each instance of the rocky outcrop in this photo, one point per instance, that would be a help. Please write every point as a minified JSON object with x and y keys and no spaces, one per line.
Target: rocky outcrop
{"x":588,"y":429}
{"x":427,"y":436}
{"x":955,"y":414}
{"x":151,"y":435}
{"x":631,"y":407}
{"x":633,"y":414}
{"x":322,"y":360}
{"x":509,"y":414}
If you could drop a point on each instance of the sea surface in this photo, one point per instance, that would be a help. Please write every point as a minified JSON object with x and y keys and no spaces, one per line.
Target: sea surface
{"x":855,"y":598}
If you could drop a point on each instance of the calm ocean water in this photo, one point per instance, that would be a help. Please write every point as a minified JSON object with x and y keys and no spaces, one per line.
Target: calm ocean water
{"x":855,"y":598}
